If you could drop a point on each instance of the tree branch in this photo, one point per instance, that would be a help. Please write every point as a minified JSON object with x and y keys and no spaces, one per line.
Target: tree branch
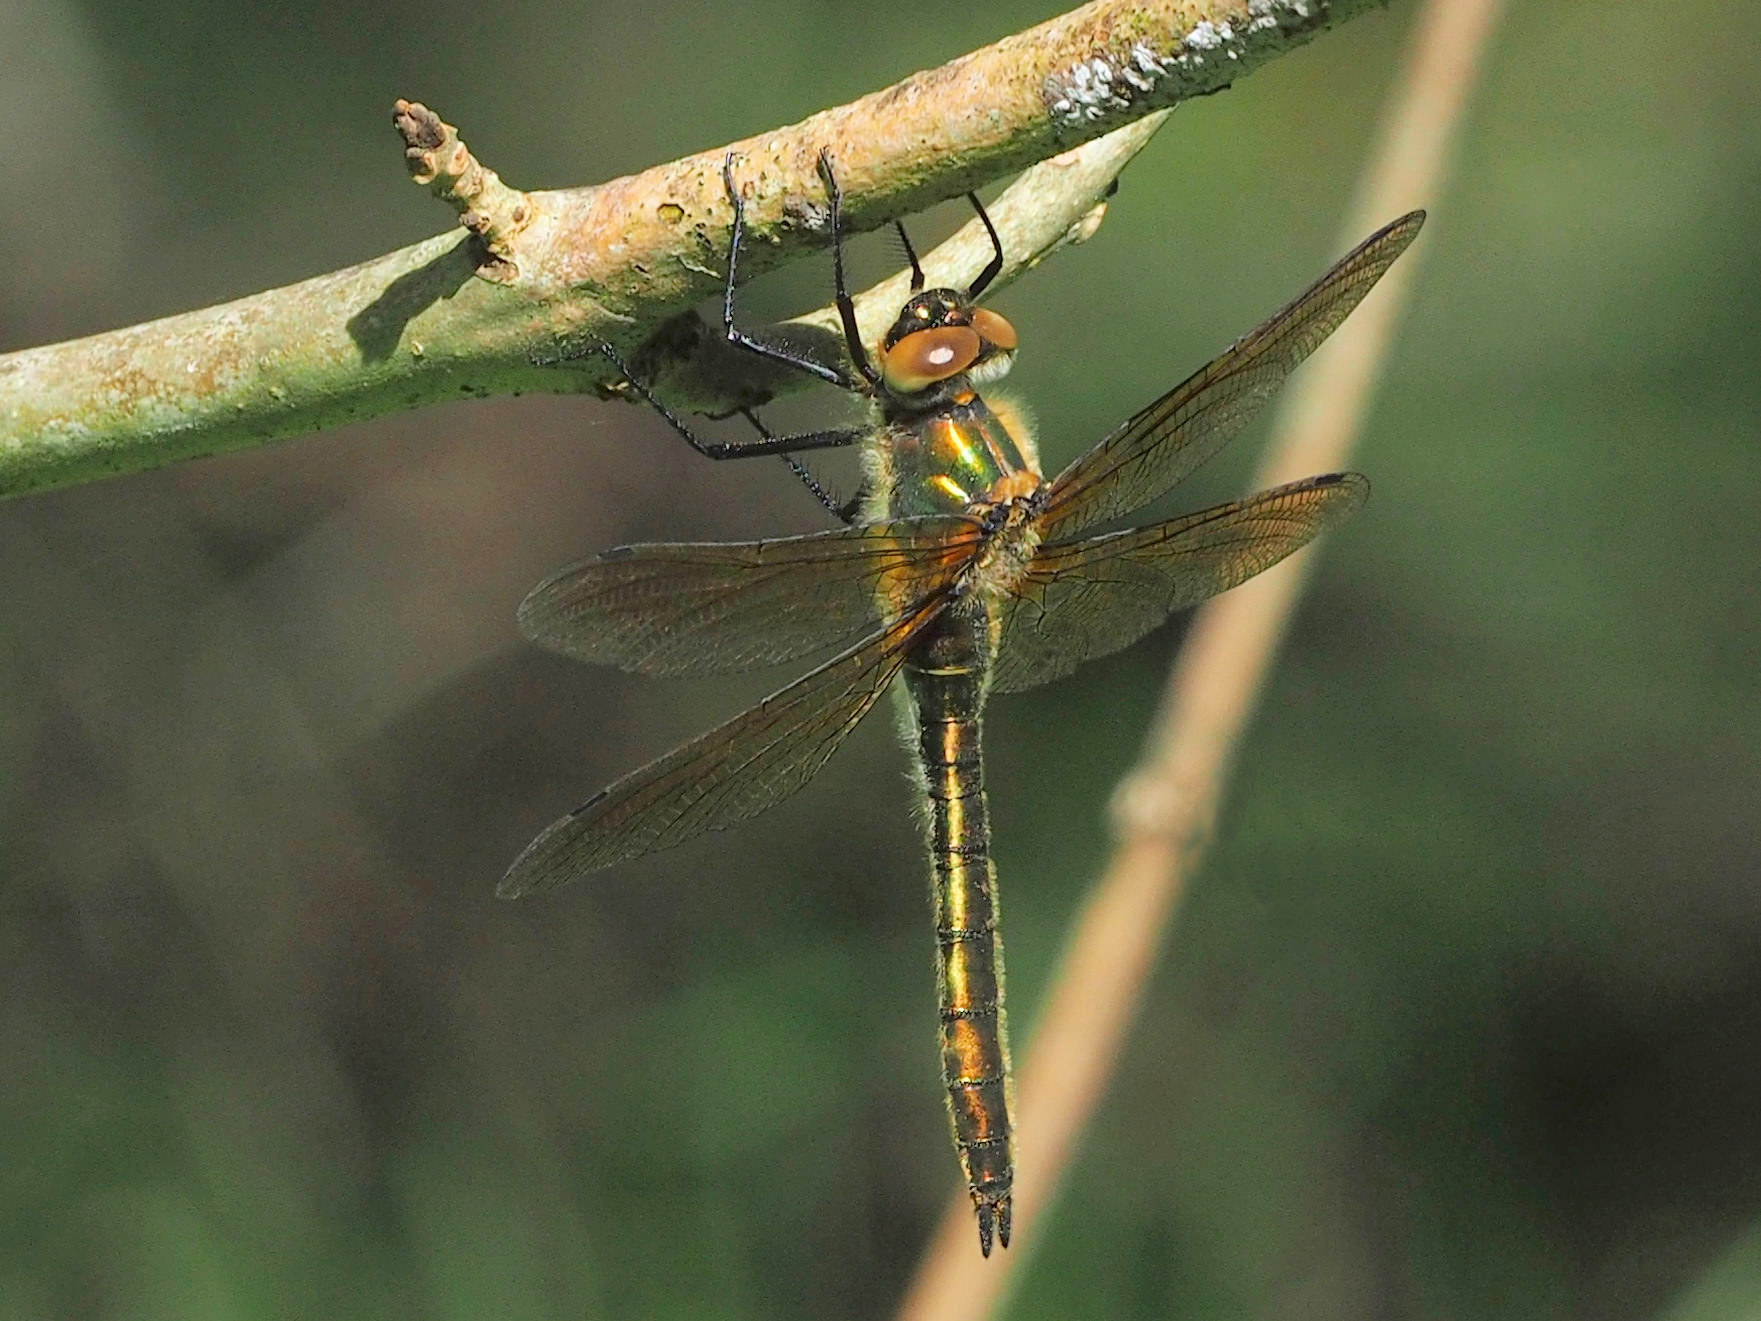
{"x":473,"y":312}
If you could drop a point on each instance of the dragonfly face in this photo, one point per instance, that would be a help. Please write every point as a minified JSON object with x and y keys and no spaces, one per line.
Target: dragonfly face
{"x":971,"y":574}
{"x":941,"y":346}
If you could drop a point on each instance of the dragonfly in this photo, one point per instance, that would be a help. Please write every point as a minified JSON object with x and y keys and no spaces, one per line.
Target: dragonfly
{"x":961,"y":571}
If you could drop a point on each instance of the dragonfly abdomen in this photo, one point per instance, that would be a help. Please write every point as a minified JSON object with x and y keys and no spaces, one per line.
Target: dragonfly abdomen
{"x":945,"y":679}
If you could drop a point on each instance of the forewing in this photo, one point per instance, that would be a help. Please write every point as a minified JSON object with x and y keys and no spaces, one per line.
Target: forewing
{"x":1083,"y":599}
{"x":1161,"y":445}
{"x":734,"y":771}
{"x":719,"y":607}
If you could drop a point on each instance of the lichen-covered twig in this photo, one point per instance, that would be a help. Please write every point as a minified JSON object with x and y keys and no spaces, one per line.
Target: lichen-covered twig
{"x":534,"y":274}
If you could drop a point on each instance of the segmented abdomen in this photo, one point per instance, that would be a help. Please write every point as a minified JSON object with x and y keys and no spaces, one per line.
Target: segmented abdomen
{"x":945,"y":680}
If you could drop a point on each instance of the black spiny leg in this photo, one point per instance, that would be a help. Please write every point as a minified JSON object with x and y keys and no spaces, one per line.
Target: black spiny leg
{"x":992,"y":269}
{"x":845,"y":512}
{"x":775,"y":352}
{"x":910,"y":256}
{"x":847,"y":307}
{"x":732,"y":449}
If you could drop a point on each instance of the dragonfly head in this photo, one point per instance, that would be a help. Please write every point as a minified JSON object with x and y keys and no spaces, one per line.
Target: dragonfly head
{"x":941,"y":336}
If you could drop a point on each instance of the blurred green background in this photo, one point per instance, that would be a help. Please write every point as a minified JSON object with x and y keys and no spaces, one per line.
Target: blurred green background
{"x":1461,"y":1019}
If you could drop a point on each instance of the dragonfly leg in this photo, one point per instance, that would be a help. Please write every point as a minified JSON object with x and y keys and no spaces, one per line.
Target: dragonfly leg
{"x":775,"y":352}
{"x":847,"y":306}
{"x":851,"y":508}
{"x":910,"y":256}
{"x":844,"y":512}
{"x":736,"y":449}
{"x":994,"y":267}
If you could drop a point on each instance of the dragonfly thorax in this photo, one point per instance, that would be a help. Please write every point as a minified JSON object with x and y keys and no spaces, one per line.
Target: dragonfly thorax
{"x":942,"y":345}
{"x":957,"y":456}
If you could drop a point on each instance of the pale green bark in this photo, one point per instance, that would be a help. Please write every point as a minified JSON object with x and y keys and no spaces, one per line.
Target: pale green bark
{"x":447,"y":318}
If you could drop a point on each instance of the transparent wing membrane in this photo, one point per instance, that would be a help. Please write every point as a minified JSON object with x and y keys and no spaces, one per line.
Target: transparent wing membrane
{"x":735,"y":771}
{"x":1160,"y":446}
{"x":694,"y":609}
{"x":719,"y":608}
{"x":1089,"y":598}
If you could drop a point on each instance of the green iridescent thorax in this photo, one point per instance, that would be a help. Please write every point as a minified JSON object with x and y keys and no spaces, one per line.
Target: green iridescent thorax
{"x":943,"y":459}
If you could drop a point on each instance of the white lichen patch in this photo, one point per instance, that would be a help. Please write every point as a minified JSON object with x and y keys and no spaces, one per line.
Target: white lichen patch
{"x":1108,"y":84}
{"x":1208,"y":35}
{"x":1087,"y":91}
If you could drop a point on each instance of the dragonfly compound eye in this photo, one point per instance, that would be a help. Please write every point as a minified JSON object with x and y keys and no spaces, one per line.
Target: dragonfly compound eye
{"x":994,"y":330}
{"x":924,"y":357}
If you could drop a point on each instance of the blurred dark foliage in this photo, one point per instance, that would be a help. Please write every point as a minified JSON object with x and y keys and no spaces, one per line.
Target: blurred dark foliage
{"x":1460,"y":1019}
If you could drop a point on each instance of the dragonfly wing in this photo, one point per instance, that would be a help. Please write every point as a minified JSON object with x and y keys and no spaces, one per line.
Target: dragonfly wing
{"x":719,"y":607}
{"x":1161,"y":445}
{"x":736,"y":770}
{"x":1083,"y":599}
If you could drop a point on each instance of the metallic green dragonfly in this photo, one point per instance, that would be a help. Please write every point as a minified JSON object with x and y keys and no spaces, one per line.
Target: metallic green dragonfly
{"x":964,"y":572}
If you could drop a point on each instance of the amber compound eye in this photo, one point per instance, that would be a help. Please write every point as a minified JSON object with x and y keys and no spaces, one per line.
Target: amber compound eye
{"x":994,"y":329}
{"x":926,"y":356}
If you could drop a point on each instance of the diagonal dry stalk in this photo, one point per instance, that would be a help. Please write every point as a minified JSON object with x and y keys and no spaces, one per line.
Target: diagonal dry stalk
{"x":534,"y":274}
{"x":1165,"y":808}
